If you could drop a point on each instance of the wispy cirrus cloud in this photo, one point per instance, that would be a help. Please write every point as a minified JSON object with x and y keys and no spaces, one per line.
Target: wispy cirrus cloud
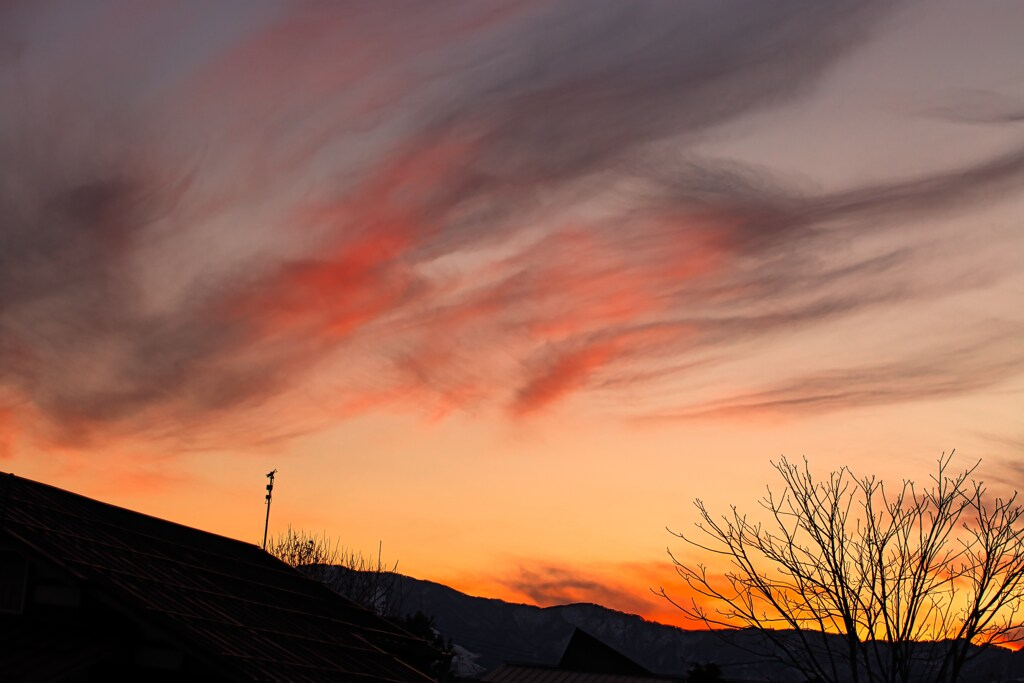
{"x":622,"y":588}
{"x":552,"y":585}
{"x":626,"y":586}
{"x":494,"y":205}
{"x":942,"y":372}
{"x":978,"y":106}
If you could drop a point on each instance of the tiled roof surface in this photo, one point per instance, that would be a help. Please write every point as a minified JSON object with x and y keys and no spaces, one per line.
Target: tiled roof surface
{"x":228,"y":599}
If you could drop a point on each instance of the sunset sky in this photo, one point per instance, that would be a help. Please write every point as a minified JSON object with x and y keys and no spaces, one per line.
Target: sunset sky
{"x":504,"y":286}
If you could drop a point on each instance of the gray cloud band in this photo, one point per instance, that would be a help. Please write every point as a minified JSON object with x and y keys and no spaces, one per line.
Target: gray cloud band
{"x":552,"y":106}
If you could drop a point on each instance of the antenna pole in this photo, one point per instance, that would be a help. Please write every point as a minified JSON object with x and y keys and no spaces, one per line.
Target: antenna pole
{"x":270,"y":491}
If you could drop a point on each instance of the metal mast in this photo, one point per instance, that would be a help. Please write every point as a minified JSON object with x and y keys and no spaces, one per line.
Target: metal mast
{"x":270,"y":492}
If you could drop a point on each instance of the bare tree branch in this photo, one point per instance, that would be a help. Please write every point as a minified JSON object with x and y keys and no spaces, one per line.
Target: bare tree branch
{"x":846,"y":578}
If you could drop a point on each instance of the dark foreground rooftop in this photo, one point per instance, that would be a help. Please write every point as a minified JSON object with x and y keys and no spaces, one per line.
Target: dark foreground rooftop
{"x":89,"y":591}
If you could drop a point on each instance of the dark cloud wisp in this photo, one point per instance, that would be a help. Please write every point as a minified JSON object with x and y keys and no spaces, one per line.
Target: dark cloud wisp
{"x":374,"y":186}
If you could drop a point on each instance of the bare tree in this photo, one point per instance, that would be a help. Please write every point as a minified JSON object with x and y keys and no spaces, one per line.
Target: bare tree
{"x":300,"y":549}
{"x":369,"y":582}
{"x":372,"y":584}
{"x":851,"y":581}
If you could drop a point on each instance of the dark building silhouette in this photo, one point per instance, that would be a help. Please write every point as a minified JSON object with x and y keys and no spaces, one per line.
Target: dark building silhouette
{"x":585,"y":660}
{"x":586,"y":653}
{"x":94,"y":592}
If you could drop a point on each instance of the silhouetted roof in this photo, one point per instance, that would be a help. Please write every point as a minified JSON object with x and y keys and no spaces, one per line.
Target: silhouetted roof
{"x":585,"y":660}
{"x":522,"y":673}
{"x":250,"y":615}
{"x":586,"y":653}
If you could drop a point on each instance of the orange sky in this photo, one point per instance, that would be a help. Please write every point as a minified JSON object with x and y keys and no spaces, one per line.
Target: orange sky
{"x":505,"y":286}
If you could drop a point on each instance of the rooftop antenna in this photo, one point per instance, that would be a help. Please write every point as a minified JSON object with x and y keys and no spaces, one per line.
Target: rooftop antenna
{"x":270,"y":492}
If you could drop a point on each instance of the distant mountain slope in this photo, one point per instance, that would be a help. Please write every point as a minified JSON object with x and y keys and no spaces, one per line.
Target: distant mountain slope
{"x":502,"y":632}
{"x":497,"y":632}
